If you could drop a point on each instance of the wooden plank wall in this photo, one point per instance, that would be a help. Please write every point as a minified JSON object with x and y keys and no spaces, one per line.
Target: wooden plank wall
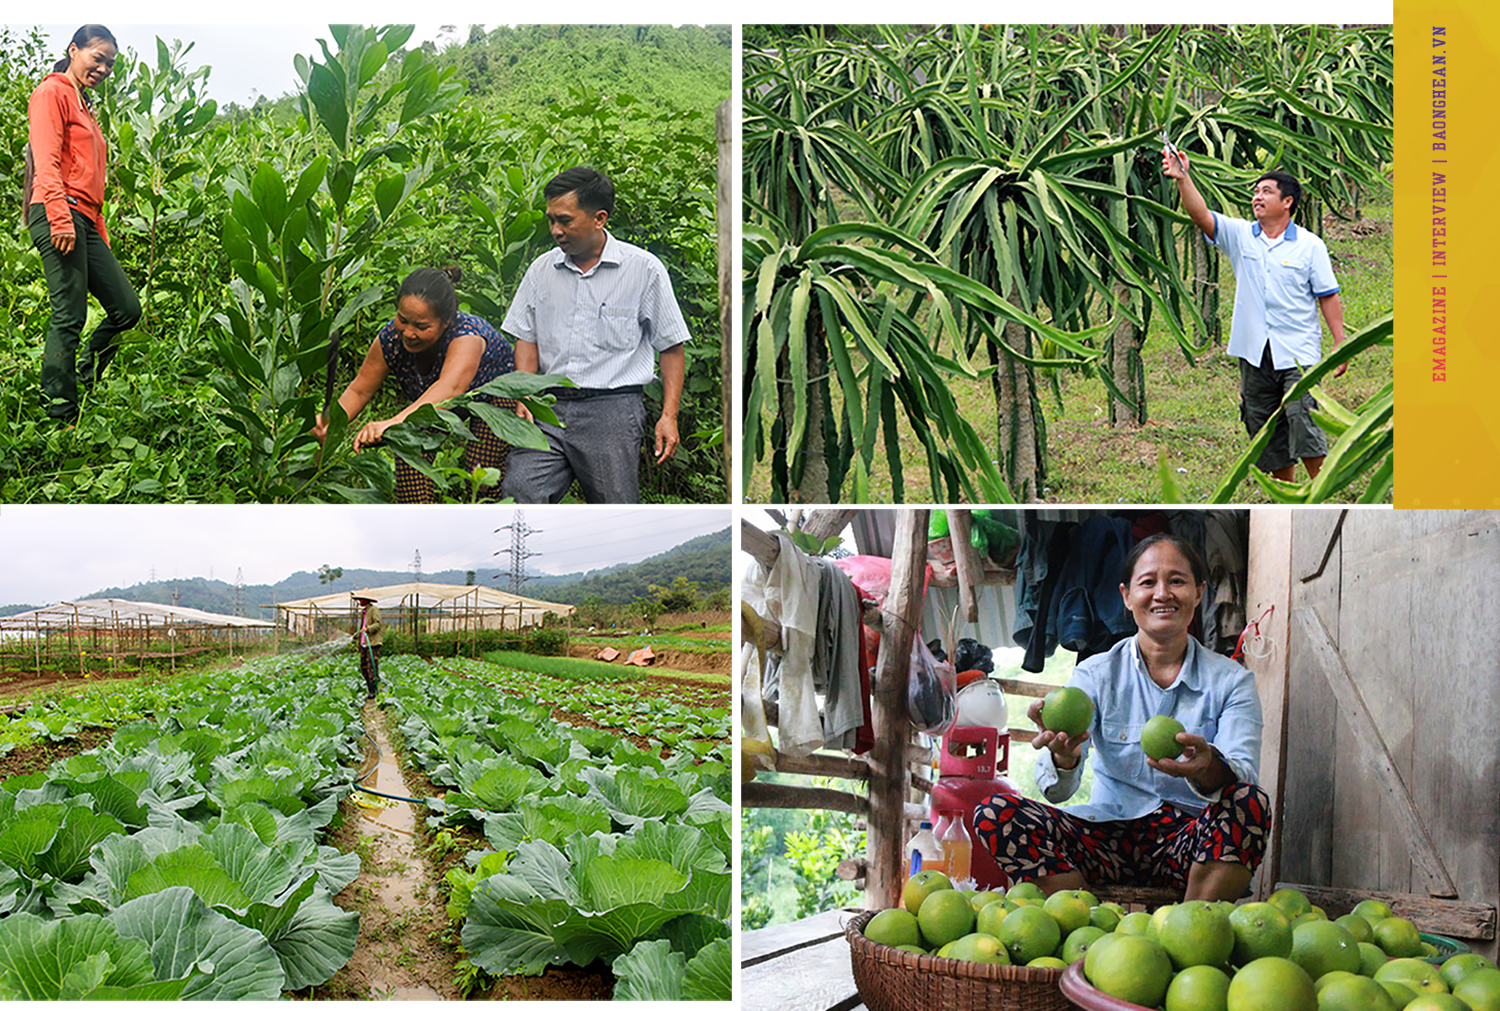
{"x":1412,"y":600}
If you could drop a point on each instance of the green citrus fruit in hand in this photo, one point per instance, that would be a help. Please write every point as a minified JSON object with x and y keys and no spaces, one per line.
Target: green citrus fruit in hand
{"x":1067,"y":711}
{"x":1159,"y":737}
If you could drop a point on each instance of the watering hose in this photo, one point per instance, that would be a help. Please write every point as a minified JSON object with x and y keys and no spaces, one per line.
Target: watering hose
{"x":373,"y":766}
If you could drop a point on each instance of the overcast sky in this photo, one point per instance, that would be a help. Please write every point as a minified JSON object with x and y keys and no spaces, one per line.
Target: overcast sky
{"x":248,"y":60}
{"x":54,"y":553}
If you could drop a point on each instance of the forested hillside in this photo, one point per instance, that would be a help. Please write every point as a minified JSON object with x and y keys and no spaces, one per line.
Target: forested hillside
{"x":704,"y":560}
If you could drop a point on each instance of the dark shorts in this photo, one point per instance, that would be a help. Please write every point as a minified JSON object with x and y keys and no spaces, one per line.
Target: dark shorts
{"x":1297,"y":436}
{"x":1030,"y":839}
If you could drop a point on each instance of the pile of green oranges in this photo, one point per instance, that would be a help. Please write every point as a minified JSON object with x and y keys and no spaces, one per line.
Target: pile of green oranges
{"x":1279,"y":955}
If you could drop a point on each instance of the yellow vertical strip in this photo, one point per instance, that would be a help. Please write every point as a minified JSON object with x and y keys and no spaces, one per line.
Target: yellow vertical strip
{"x":1447,"y":336}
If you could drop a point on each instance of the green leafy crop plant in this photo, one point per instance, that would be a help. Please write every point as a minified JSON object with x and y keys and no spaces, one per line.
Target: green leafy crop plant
{"x":181,"y":859}
{"x":600,"y":850}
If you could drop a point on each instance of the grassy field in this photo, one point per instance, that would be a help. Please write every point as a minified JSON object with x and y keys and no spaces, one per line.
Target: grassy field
{"x":626,"y":643}
{"x":1193,"y":410}
{"x":566,"y":667}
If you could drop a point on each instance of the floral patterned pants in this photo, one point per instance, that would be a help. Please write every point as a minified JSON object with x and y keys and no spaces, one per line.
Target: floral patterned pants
{"x":1030,"y":839}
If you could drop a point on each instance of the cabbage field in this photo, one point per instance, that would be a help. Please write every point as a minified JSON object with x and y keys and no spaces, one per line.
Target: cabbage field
{"x":192,"y":855}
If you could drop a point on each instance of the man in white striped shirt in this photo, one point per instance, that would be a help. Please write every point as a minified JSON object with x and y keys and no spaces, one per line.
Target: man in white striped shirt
{"x":596,"y":310}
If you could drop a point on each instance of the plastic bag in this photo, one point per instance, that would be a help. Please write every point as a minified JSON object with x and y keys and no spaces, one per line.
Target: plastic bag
{"x":931,"y":690}
{"x":971,"y":654}
{"x":871,"y":575}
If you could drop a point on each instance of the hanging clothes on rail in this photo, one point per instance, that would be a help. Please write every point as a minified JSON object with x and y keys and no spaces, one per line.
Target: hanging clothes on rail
{"x":1068,"y":587}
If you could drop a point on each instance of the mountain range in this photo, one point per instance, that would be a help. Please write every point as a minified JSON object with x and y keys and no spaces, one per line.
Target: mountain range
{"x":704,"y":560}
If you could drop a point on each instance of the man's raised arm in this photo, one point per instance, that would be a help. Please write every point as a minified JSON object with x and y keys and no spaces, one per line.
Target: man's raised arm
{"x":1176,"y":167}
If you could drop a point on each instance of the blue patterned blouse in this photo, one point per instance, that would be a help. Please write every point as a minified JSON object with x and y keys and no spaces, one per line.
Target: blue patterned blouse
{"x":498,"y":358}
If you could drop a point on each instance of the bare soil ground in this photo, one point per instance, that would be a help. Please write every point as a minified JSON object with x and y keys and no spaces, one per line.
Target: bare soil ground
{"x":37,"y":757}
{"x":669,"y":659}
{"x":20,"y":682}
{"x":408,"y":948}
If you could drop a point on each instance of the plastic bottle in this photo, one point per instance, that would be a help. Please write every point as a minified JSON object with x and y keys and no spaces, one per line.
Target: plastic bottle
{"x":924,"y":853}
{"x":958,"y":848}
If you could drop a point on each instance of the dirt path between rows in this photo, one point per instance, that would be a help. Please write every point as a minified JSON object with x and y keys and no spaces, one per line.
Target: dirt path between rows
{"x":401,"y":954}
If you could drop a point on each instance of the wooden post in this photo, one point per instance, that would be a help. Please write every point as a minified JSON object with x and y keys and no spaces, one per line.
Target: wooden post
{"x":36,"y":620}
{"x":1269,"y":584}
{"x":724,"y":129}
{"x":902,"y":616}
{"x":966,"y":560}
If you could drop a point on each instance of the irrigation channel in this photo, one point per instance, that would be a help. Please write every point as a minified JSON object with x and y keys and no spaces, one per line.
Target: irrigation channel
{"x":400,"y":892}
{"x":427,"y":814}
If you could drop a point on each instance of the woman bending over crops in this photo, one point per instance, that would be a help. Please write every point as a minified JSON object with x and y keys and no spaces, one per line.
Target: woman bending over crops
{"x":62,"y":198}
{"x":435,"y":352}
{"x":1198,"y":822}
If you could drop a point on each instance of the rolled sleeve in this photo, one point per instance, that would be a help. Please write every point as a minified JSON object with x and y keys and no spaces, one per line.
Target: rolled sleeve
{"x":1057,"y":785}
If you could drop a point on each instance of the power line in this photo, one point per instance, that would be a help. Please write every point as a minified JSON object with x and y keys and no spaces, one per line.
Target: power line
{"x":518,"y":551}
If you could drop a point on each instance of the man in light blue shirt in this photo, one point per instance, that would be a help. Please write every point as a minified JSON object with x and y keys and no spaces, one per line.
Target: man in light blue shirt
{"x":1284,"y":279}
{"x":1198,"y":822}
{"x":598,"y":311}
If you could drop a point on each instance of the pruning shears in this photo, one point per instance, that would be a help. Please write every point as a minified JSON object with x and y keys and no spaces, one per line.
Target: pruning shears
{"x":1171,"y":149}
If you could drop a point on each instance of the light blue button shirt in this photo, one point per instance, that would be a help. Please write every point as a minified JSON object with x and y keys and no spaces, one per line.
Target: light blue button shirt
{"x":1277,"y":287}
{"x":600,"y":328}
{"x":1213,"y":697}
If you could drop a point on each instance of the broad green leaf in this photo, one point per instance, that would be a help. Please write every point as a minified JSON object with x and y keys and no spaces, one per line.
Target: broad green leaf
{"x":269,"y":192}
{"x":225,"y":960}
{"x":650,"y":971}
{"x":68,"y":958}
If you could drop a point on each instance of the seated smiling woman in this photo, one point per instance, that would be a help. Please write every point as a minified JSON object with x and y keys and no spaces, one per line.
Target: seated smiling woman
{"x":435,"y":352}
{"x":1198,"y":822}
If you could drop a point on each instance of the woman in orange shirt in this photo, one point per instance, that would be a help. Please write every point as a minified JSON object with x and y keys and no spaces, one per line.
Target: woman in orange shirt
{"x":67,"y":227}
